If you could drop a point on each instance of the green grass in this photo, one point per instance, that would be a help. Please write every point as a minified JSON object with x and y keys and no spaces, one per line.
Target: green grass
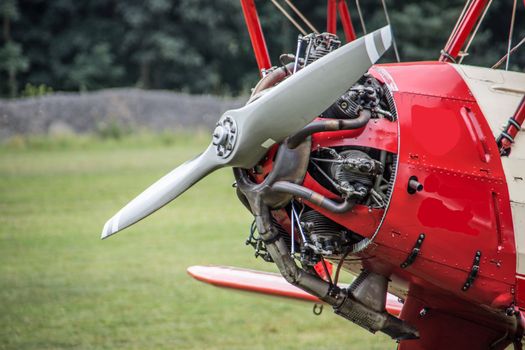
{"x":61,"y":287}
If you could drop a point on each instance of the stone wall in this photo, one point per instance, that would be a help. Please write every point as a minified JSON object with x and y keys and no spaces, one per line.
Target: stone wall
{"x":133,"y":108}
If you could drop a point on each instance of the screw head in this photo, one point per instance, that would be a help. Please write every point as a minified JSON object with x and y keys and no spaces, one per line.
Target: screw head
{"x":219,"y":135}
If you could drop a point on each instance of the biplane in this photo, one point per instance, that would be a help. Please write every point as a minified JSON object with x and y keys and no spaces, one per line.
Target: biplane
{"x":411,"y":176}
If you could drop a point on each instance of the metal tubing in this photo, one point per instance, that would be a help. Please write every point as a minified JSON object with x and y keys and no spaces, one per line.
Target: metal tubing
{"x":465,"y":52}
{"x":314,"y":197}
{"x":272,"y":78}
{"x":289,"y":17}
{"x":301,"y":16}
{"x":415,"y":185}
{"x":297,"y":276}
{"x":458,"y":38}
{"x":363,"y":26}
{"x":511,"y":31}
{"x":394,"y":44}
{"x":278,"y":249}
{"x":343,"y":302}
{"x":344,"y":305}
{"x":330,"y":125}
{"x":256,"y":35}
{"x":297,"y":53}
{"x":346,"y":21}
{"x":512,"y":129}
{"x":331,"y":16}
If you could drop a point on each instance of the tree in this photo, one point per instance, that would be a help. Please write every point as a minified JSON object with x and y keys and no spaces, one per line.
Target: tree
{"x":95,"y":68}
{"x":202,"y":46}
{"x":12,"y":60}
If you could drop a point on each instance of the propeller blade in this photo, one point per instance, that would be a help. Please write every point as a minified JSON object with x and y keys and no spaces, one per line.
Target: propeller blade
{"x":296,"y":101}
{"x":163,"y":191}
{"x":244,"y":135}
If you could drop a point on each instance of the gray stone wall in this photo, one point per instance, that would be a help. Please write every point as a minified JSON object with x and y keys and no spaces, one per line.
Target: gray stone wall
{"x":133,"y":108}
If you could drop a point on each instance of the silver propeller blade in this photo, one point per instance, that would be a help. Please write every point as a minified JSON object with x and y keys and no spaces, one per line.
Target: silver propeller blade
{"x":243,"y":136}
{"x":163,"y":191}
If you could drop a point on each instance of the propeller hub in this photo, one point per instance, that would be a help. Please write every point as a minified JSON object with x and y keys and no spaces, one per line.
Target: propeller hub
{"x":225,"y":136}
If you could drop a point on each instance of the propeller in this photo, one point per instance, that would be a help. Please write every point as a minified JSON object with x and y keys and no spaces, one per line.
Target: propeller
{"x":243,"y":135}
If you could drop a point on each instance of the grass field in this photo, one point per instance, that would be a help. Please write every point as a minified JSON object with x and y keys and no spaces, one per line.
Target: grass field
{"x":63,"y":288}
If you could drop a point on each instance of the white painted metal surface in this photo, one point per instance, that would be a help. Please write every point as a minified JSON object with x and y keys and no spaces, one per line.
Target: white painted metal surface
{"x":498,"y":94}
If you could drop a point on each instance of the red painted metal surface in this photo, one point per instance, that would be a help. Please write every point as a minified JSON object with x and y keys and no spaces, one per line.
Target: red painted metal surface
{"x":465,"y":195}
{"x":378,"y":133}
{"x":248,"y":280}
{"x":346,"y":21}
{"x":440,"y":81}
{"x":256,"y":35}
{"x":332,"y":8}
{"x":441,"y":330}
{"x":320,"y":269}
{"x":331,"y":16}
{"x":457,"y":38}
{"x":264,"y":283}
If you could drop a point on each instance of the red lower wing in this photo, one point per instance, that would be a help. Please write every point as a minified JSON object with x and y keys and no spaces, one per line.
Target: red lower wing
{"x":264,"y":283}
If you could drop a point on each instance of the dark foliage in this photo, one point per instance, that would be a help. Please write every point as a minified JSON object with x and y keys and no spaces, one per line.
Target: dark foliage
{"x":201,"y":46}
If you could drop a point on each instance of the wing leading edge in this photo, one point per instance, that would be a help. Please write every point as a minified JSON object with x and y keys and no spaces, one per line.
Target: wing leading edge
{"x":264,"y":283}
